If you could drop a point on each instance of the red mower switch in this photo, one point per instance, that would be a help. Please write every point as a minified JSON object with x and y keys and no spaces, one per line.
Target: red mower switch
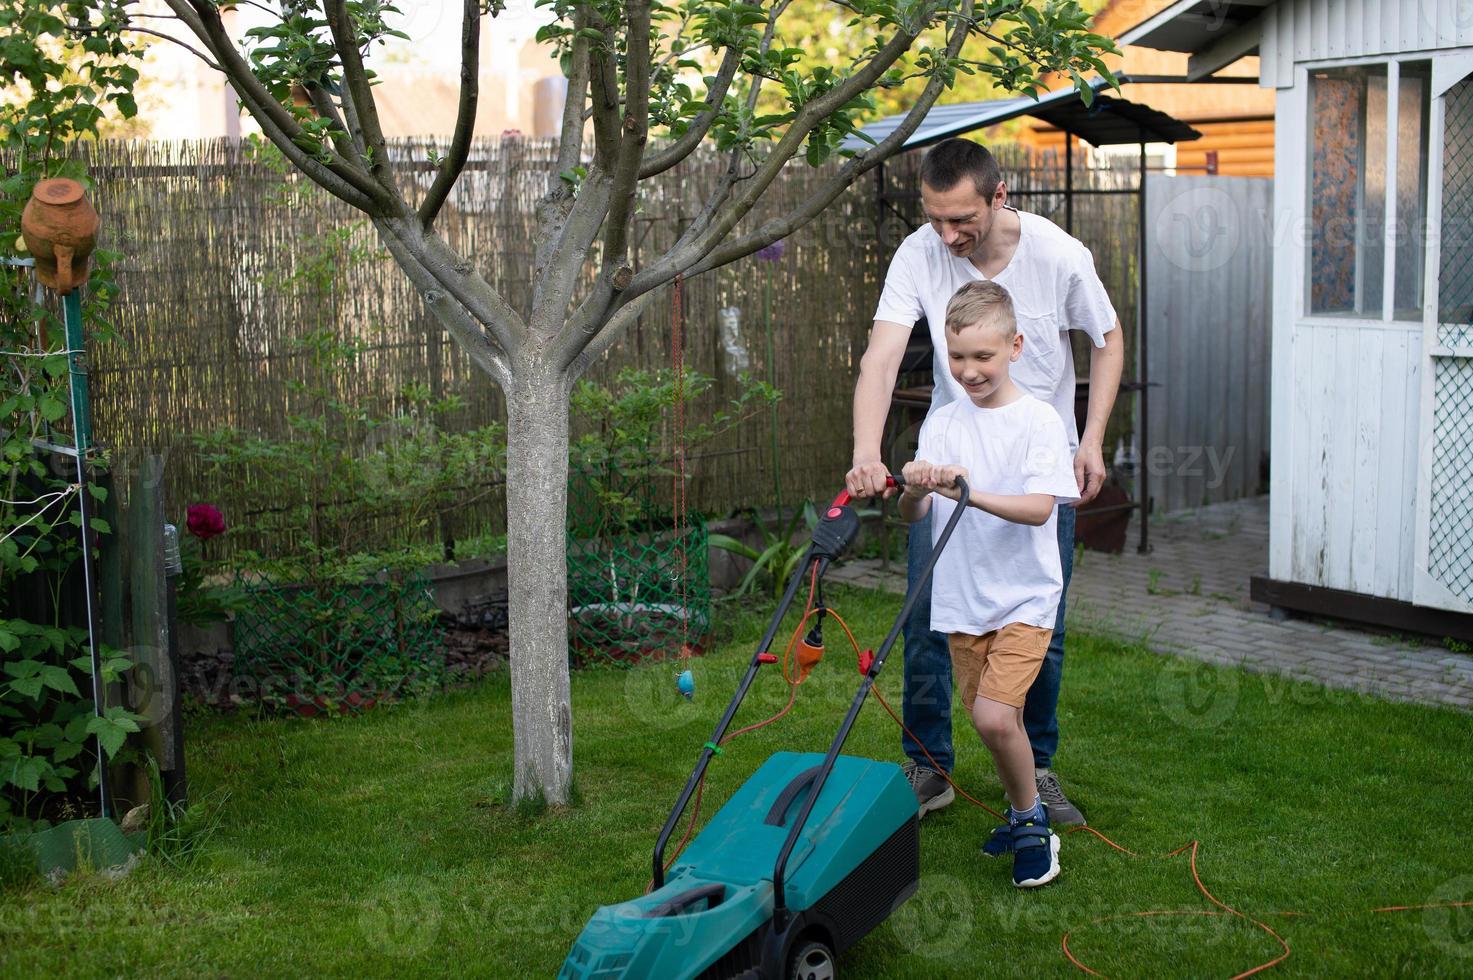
{"x":833,"y":513}
{"x":767,"y":658}
{"x":866,"y":661}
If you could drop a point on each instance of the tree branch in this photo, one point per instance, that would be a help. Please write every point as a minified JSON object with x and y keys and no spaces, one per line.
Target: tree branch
{"x":558,"y":276}
{"x":615,"y":273}
{"x":326,"y":108}
{"x":361,"y":105}
{"x":465,"y":116}
{"x":610,"y":332}
{"x":131,"y":29}
{"x":780,"y":227}
{"x":682,"y":257}
{"x":764,"y":46}
{"x":636,"y":129}
{"x":337,"y":176}
{"x":467,"y":332}
{"x":686,"y":144}
{"x":604,"y":83}
{"x":570,"y":139}
{"x":478,"y":296}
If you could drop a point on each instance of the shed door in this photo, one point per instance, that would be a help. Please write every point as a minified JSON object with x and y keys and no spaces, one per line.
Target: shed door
{"x":1444,"y":568}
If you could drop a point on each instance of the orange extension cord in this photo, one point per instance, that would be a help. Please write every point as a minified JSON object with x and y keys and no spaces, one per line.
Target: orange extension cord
{"x":1192,"y":846}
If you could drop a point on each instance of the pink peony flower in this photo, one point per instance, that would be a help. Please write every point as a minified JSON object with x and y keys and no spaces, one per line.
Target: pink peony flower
{"x":204,"y":521}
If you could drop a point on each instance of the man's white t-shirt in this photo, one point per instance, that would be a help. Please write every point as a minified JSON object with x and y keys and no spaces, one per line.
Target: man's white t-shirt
{"x":1054,"y":286}
{"x":995,"y":572}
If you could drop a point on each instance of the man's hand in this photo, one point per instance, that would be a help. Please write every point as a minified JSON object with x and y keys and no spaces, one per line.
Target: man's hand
{"x":868,"y":480}
{"x":1089,"y":471}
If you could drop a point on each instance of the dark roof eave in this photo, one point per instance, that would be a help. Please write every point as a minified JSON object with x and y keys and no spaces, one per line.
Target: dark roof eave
{"x":1108,"y":121}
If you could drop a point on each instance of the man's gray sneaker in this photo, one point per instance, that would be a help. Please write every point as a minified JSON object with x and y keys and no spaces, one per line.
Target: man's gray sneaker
{"x":931,"y":788}
{"x":1060,"y":811}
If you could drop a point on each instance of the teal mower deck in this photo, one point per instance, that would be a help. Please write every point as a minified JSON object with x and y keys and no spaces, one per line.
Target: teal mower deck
{"x":808,"y":856}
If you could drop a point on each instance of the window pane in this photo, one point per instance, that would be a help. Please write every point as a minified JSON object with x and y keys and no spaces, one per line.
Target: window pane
{"x":1455,"y":277}
{"x":1347,"y":190}
{"x":1411,"y":189}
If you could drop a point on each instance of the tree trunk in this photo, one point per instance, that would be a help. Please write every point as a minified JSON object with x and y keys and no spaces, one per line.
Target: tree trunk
{"x":536,"y":511}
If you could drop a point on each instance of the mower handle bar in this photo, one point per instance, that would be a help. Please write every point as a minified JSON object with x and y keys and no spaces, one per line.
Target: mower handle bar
{"x":912,"y":596}
{"x":799,"y":573}
{"x":818,"y":779}
{"x":845,"y":497}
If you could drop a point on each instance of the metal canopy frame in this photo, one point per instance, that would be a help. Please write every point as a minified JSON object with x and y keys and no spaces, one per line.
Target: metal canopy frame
{"x":1107,"y":121}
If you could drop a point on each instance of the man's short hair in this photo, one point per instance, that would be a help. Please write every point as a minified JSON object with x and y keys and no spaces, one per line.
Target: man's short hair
{"x":951,"y":161}
{"x":981,"y":304}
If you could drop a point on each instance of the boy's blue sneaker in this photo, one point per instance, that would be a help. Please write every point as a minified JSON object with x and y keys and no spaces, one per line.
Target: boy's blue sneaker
{"x":1001,"y":841}
{"x":1035,"y":853}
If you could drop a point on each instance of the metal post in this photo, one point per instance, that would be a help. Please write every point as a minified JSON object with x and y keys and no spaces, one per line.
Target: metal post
{"x":1068,"y":182}
{"x":82,"y":427}
{"x":176,"y":784}
{"x":1143,"y":488}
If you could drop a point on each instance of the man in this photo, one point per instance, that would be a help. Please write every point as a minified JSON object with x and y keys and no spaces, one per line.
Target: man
{"x":972,"y":234}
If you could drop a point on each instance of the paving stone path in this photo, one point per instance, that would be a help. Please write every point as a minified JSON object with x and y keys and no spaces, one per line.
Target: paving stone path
{"x":1189,"y":596}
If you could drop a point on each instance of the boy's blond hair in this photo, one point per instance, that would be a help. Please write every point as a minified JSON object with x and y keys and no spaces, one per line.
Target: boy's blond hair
{"x":981,"y":304}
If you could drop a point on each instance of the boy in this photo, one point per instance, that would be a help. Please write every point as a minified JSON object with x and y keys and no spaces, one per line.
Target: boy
{"x":997,"y":585}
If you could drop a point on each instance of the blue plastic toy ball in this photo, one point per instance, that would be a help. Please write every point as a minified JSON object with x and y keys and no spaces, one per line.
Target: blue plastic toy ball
{"x":686,"y":684}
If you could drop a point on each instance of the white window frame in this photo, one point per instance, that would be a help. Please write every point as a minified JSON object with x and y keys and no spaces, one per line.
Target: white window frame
{"x":1426,"y":589}
{"x":1393,"y":65}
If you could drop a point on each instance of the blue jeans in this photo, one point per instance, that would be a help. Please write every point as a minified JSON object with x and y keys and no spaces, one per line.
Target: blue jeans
{"x":927,"y":707}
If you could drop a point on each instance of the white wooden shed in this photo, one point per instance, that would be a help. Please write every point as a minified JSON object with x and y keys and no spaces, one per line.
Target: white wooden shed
{"x":1371,"y":480}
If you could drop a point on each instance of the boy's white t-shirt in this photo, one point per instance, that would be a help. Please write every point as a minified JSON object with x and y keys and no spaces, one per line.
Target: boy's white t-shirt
{"x":995,"y":572}
{"x":1055,"y":288}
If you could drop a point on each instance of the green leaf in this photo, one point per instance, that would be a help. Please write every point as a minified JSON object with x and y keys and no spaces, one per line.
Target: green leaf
{"x":727,"y":543}
{"x":8,"y":640}
{"x":23,"y":668}
{"x":65,"y":752}
{"x":52,"y":409}
{"x":27,"y":773}
{"x":110,"y":735}
{"x":58,"y":679}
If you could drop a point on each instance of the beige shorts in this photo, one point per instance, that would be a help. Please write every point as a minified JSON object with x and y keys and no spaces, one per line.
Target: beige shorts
{"x":1000,"y":665}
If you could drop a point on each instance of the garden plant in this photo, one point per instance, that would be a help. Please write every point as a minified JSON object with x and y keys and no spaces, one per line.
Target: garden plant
{"x":59,"y":89}
{"x":638,"y":582}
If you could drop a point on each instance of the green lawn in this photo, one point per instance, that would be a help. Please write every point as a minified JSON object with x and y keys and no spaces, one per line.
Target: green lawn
{"x":383,"y":844}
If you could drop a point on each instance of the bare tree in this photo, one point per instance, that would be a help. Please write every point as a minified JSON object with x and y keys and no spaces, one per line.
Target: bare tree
{"x":711,"y":71}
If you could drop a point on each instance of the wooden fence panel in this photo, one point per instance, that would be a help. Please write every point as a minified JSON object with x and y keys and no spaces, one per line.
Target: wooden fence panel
{"x":1208,"y":317}
{"x":208,"y":232}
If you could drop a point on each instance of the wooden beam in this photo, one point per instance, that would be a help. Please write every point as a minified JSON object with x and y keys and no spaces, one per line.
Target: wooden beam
{"x":1356,"y":607}
{"x":1224,"y":51}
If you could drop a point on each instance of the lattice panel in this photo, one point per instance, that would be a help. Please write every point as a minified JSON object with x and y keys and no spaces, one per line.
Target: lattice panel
{"x":1455,"y":277}
{"x":1450,"y":532}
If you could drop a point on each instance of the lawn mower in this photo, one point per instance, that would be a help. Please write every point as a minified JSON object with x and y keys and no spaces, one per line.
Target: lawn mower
{"x":807,"y":857}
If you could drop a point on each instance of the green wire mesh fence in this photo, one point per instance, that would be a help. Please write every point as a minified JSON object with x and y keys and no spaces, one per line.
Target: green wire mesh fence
{"x":638,"y":581}
{"x":638,"y":595}
{"x":333,"y":646}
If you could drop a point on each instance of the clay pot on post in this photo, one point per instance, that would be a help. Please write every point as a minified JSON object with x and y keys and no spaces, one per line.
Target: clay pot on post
{"x":60,"y":230}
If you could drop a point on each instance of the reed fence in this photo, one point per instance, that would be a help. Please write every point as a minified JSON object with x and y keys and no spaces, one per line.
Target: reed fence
{"x":208,"y":231}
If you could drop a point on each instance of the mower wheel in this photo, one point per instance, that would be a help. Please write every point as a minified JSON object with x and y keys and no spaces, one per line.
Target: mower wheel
{"x":814,"y":960}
